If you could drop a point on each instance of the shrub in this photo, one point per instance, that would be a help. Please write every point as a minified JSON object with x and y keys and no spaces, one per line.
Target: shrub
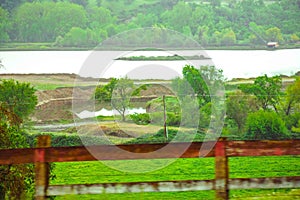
{"x":265,"y":125}
{"x":178,"y":136}
{"x":63,"y":140}
{"x":141,"y":118}
{"x":172,"y":118}
{"x":291,"y":120}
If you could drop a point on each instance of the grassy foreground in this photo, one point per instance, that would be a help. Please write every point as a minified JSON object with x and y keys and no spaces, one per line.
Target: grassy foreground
{"x":180,"y":169}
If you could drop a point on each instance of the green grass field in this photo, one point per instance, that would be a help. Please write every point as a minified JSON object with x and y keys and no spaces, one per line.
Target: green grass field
{"x":180,"y":169}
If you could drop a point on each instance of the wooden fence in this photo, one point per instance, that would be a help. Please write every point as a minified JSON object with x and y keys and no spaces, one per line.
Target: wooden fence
{"x":44,"y":154}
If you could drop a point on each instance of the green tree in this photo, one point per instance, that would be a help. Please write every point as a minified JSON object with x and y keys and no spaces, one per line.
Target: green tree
{"x":10,"y":4}
{"x":78,"y":37}
{"x":103,"y":93}
{"x":228,"y":37}
{"x":263,"y":125}
{"x":258,"y":34}
{"x":99,"y":17}
{"x":61,"y":17}
{"x":295,"y":38}
{"x":75,"y":37}
{"x":19,"y":97}
{"x":29,"y":23}
{"x":80,"y":2}
{"x":118,"y":92}
{"x":292,"y":96}
{"x":216,"y":38}
{"x":121,"y":96}
{"x":239,"y":105}
{"x":296,"y":128}
{"x":205,"y":115}
{"x":216,"y":3}
{"x":203,"y":35}
{"x":274,"y":34}
{"x":44,"y":21}
{"x":17,"y":101}
{"x":145,"y":20}
{"x":178,"y":17}
{"x":190,"y":112}
{"x":198,"y":82}
{"x":4,"y":25}
{"x":202,"y":16}
{"x":266,"y":89}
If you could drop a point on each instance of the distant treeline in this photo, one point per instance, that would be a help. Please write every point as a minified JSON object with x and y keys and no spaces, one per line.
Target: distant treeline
{"x":85,"y":23}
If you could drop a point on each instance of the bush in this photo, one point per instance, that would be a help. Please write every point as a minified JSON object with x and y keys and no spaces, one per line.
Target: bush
{"x":141,"y":118}
{"x":178,"y":136}
{"x":262,"y":125}
{"x":291,"y":120}
{"x":172,"y":118}
{"x":64,"y":140}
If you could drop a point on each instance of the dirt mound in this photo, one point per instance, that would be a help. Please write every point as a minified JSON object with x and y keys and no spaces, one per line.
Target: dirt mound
{"x":108,"y":131}
{"x":63,"y":93}
{"x":55,"y":105}
{"x":157,"y":90}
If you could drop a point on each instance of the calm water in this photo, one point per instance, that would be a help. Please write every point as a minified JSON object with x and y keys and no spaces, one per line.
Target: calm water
{"x":104,"y":112}
{"x":235,"y":64}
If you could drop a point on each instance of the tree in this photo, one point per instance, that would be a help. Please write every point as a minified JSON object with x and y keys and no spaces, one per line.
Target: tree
{"x":78,"y":37}
{"x":198,"y":82}
{"x":216,"y":3}
{"x":262,"y":125}
{"x":121,"y":96}
{"x":274,"y":34}
{"x":178,"y":17}
{"x":228,"y":37}
{"x":80,"y":2}
{"x":75,"y":37}
{"x":295,"y":38}
{"x":198,"y":85}
{"x":19,"y":97}
{"x":145,"y":20}
{"x":103,"y":93}
{"x":118,"y":92}
{"x":17,"y":101}
{"x":62,"y":17}
{"x":239,"y":105}
{"x":202,"y":16}
{"x":266,"y":89}
{"x":99,"y":17}
{"x":4,"y":25}
{"x":292,"y":96}
{"x":29,"y":25}
{"x":10,"y":4}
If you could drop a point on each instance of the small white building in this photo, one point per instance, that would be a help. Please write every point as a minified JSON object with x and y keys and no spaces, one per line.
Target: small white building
{"x":272,"y":44}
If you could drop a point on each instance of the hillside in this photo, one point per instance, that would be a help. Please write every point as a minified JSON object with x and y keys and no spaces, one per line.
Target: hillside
{"x":84,"y":24}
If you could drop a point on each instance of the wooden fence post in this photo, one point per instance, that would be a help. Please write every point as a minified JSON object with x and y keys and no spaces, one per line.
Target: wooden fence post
{"x":41,"y":168}
{"x":221,"y":170}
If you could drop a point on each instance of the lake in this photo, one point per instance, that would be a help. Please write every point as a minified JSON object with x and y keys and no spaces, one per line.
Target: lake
{"x":234,"y":63}
{"x":104,"y":112}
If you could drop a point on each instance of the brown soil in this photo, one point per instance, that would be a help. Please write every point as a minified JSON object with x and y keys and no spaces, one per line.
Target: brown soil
{"x":56,"y":104}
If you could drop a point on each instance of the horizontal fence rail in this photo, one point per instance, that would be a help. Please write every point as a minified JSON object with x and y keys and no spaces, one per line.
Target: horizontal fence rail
{"x":222,"y":149}
{"x":107,"y":152}
{"x":171,"y":186}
